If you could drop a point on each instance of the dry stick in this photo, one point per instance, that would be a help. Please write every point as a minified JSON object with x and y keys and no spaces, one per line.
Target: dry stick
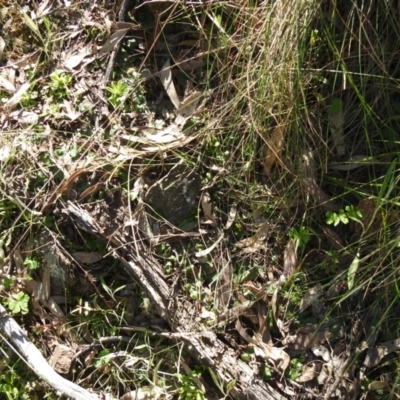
{"x":182,"y":317}
{"x":113,"y":56}
{"x":37,"y":362}
{"x":339,"y":377}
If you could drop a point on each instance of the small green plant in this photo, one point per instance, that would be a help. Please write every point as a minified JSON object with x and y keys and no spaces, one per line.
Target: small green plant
{"x":30,"y":99}
{"x":343,"y":216}
{"x":59,"y":84}
{"x":11,"y":384}
{"x":18,"y":303}
{"x":336,"y":107}
{"x":300,"y":236}
{"x":127,"y":93}
{"x":103,"y":359}
{"x":32,"y":263}
{"x":118,"y":92}
{"x":295,"y":368}
{"x":188,"y":389}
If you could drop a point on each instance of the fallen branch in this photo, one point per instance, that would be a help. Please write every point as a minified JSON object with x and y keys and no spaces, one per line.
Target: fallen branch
{"x":180,"y":314}
{"x":37,"y":362}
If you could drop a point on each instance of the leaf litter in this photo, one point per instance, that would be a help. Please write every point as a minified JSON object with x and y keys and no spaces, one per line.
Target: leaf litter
{"x":131,"y":147}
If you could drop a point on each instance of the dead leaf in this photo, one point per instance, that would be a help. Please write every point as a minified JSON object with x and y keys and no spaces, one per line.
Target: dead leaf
{"x":310,"y":371}
{"x":374,"y":356}
{"x":167,"y":82}
{"x":71,"y":113}
{"x":380,"y":385}
{"x":310,"y":296}
{"x":145,"y":223}
{"x":138,"y":189}
{"x":273,"y":354}
{"x":74,"y":60}
{"x":112,"y":42}
{"x":2,"y":46}
{"x":27,"y":61}
{"x":87,"y":257}
{"x":256,"y":242}
{"x":204,"y":252}
{"x":207,"y":210}
{"x":171,"y":133}
{"x":16,"y":98}
{"x":5,"y":152}
{"x":301,"y":341}
{"x":323,"y":352}
{"x":273,"y":148}
{"x":223,"y":288}
{"x":290,"y":258}
{"x":6,"y":84}
{"x":311,"y":186}
{"x":91,"y":190}
{"x":25,"y":118}
{"x":262,"y":314}
{"x":43,"y":10}
{"x":231,"y":216}
{"x":54,"y":308}
{"x":188,"y":107}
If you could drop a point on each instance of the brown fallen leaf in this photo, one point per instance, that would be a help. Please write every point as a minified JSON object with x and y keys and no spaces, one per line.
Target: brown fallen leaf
{"x":223,"y":289}
{"x":27,"y":61}
{"x":91,"y":190}
{"x":304,"y":340}
{"x":87,"y":257}
{"x":256,"y":242}
{"x":25,"y":118}
{"x":167,"y":82}
{"x":310,"y":371}
{"x":374,"y":356}
{"x":262,"y":313}
{"x":274,"y":354}
{"x":231,"y":216}
{"x":74,"y":60}
{"x":311,"y":186}
{"x":381,"y":385}
{"x":290,"y":258}
{"x":207,"y":210}
{"x":16,"y":98}
{"x":112,"y":42}
{"x":310,"y":296}
{"x":171,"y":133}
{"x":188,"y":107}
{"x":274,"y":147}
{"x":208,"y":250}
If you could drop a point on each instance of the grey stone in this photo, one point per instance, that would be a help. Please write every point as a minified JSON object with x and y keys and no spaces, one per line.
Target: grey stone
{"x":175,"y":195}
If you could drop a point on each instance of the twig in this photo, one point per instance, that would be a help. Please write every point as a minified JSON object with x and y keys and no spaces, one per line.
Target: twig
{"x":113,"y":55}
{"x":37,"y":362}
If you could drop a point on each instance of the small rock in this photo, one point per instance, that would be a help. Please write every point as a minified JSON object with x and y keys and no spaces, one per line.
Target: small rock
{"x":175,"y":195}
{"x":61,"y":359}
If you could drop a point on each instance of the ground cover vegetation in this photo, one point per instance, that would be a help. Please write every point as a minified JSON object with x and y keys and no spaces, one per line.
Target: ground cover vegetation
{"x":200,"y":199}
